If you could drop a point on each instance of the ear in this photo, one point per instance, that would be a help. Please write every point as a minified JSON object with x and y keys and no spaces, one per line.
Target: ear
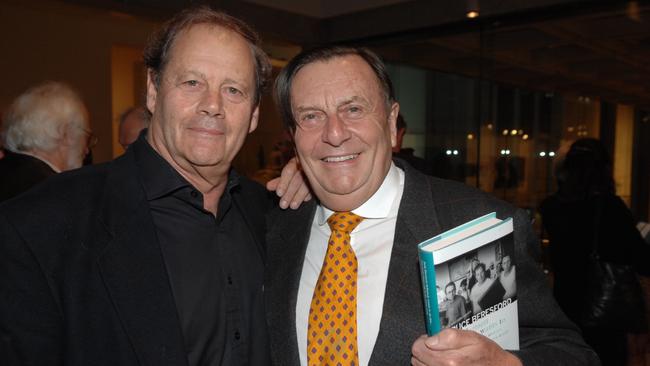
{"x":66,"y":134}
{"x":152,"y":91}
{"x":254,"y":119}
{"x":392,"y":123}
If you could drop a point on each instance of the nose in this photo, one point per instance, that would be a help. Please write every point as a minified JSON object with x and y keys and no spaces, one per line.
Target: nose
{"x":336,"y":131}
{"x":211,"y":103}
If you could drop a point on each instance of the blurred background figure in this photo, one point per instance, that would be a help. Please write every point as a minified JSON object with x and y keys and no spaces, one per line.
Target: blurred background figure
{"x":583,"y":211}
{"x":407,"y":153}
{"x":132,"y":121}
{"x":44,"y":131}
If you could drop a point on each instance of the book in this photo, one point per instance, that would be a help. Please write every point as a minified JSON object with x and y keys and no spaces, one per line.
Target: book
{"x":468,"y":280}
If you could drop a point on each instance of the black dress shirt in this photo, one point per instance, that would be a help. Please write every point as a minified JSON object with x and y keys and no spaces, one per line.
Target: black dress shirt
{"x":214,"y":265}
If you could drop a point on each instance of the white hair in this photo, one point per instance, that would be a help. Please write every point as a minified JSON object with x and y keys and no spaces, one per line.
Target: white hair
{"x":39,"y":118}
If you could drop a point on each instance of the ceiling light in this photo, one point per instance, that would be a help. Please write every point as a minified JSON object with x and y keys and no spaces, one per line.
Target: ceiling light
{"x":472,"y":9}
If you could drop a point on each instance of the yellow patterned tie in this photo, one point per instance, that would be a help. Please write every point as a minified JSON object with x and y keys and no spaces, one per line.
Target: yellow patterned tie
{"x":332,"y":331}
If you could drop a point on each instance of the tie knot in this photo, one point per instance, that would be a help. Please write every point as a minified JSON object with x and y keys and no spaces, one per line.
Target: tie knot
{"x":344,"y":221}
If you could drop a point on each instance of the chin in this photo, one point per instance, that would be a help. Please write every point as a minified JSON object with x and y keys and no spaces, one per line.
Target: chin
{"x":342,"y":187}
{"x":206,"y":160}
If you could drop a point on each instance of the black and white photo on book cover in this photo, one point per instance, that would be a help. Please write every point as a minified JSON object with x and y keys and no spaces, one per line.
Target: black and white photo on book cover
{"x":478,"y":291}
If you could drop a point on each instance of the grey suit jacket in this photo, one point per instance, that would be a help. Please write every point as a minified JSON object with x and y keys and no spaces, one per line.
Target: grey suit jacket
{"x":428,"y":207}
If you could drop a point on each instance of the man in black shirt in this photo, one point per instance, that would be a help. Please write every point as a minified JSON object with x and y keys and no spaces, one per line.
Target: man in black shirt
{"x":157,"y":257}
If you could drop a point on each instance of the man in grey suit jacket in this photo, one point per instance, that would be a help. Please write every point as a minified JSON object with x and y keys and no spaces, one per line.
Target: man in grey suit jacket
{"x":338,"y":105}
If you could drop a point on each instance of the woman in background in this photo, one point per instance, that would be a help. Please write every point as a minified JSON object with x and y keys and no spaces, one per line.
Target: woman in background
{"x":585,"y":209}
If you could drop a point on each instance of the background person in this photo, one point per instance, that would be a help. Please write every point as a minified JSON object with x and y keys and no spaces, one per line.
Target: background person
{"x":132,"y":122}
{"x":584,"y":208}
{"x":45,"y":131}
{"x":407,"y":153}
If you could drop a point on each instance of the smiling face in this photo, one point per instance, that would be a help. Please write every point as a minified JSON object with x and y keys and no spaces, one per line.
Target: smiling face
{"x":203,"y":107}
{"x":345,"y":130}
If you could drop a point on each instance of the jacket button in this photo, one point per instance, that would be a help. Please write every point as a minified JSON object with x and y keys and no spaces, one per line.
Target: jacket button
{"x":237,"y":335}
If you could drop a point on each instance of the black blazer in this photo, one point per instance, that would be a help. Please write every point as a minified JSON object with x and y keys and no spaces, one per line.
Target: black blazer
{"x":82,"y":278}
{"x":20,"y":172}
{"x":428,"y":207}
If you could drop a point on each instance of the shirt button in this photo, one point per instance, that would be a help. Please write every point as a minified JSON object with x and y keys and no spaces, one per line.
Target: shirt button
{"x":237,"y":335}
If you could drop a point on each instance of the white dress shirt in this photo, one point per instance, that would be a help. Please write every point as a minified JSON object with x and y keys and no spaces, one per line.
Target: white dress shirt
{"x":372,"y":242}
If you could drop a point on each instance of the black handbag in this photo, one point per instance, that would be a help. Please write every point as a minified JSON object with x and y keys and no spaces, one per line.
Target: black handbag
{"x":614,"y":297}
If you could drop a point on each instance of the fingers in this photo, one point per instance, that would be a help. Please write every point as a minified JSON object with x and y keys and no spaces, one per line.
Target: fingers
{"x":286,"y":177}
{"x":450,"y":338}
{"x":302,"y":195}
{"x":291,"y":186}
{"x":422,"y":355}
{"x":272,"y":185}
{"x":295,"y":192}
{"x":416,"y":362}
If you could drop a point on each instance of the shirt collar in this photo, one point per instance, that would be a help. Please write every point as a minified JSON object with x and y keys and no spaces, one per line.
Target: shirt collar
{"x":378,"y":205}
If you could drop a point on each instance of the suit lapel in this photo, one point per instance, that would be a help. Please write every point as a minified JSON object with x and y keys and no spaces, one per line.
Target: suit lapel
{"x":417,"y":220}
{"x":287,"y":239}
{"x":134,"y":272}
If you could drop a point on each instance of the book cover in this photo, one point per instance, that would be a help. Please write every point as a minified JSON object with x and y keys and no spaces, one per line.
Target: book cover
{"x":469,"y":280}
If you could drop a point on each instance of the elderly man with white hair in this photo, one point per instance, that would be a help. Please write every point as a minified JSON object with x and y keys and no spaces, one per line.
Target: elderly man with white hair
{"x":45,"y":131}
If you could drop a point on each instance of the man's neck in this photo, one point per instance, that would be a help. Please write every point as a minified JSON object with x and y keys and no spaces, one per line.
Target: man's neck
{"x":211,"y":180}
{"x":210,"y":185}
{"x":211,"y":198}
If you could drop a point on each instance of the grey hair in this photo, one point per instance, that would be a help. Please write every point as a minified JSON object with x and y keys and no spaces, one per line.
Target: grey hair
{"x":39,"y":117}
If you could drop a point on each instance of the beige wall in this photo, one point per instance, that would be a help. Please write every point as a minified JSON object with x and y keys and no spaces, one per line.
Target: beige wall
{"x":623,"y":151}
{"x":49,"y":40}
